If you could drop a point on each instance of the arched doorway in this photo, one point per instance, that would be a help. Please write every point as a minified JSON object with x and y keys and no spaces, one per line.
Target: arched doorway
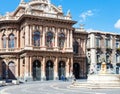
{"x":49,"y":70}
{"x":3,"y":70}
{"x":36,"y":70}
{"x":61,"y":69}
{"x":76,"y":70}
{"x":11,"y":70}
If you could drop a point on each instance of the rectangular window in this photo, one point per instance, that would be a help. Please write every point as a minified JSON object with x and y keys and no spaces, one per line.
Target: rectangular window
{"x":88,"y":43}
{"x":108,"y":43}
{"x":117,"y":43}
{"x":117,"y":59}
{"x":97,"y":42}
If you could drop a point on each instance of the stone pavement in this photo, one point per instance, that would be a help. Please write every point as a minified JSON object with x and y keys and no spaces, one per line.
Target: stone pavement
{"x":52,"y":87}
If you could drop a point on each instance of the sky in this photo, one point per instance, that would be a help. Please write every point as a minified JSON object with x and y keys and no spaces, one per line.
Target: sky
{"x":103,"y":15}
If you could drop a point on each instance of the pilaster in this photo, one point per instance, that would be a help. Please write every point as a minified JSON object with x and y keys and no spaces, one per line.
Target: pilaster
{"x":56,"y":69}
{"x":26,"y":35}
{"x":43,"y":38}
{"x":67,"y":68}
{"x":68,"y":39}
{"x":1,"y":43}
{"x":30,"y":35}
{"x":71,"y":67}
{"x":16,"y":66}
{"x":43,"y":77}
{"x":0,"y":69}
{"x":17,"y":41}
{"x":26,"y":75}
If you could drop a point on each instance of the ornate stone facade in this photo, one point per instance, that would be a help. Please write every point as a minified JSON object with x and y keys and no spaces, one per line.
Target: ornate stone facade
{"x":37,"y":43}
{"x":104,"y":47}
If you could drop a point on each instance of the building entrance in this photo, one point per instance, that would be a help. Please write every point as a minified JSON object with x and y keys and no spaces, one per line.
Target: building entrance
{"x":49,"y":70}
{"x":3,"y":70}
{"x":76,"y":70}
{"x":11,"y":70}
{"x":61,"y":69}
{"x":36,"y":70}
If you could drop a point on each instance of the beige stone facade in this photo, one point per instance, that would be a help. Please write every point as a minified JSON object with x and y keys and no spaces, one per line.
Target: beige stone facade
{"x":103,"y":46}
{"x":36,"y":43}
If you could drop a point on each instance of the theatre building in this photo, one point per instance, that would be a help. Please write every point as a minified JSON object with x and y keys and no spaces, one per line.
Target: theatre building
{"x":38,"y":42}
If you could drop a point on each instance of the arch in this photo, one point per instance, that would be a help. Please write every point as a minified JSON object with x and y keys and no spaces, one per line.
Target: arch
{"x":75,"y":47}
{"x":61,"y":39}
{"x":11,"y":41}
{"x":76,"y":70}
{"x":3,"y":70}
{"x":36,"y":38}
{"x":49,"y":39}
{"x":49,"y":70}
{"x":61,"y":70}
{"x":36,"y":70}
{"x":4,"y":41}
{"x":11,"y":70}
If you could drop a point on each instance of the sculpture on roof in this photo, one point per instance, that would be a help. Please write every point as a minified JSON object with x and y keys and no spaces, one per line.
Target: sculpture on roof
{"x":22,"y":1}
{"x":28,"y":9}
{"x":68,"y":13}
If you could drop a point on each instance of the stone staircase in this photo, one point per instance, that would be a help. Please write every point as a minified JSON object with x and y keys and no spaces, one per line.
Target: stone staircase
{"x":94,"y":85}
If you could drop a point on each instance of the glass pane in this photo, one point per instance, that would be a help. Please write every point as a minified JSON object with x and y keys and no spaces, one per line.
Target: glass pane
{"x":36,"y":38}
{"x":11,"y":41}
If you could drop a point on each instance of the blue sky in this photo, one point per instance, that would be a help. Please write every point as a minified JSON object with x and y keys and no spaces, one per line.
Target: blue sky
{"x":95,"y":14}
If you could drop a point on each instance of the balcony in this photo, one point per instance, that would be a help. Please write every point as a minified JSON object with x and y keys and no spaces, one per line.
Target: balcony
{"x":98,"y":48}
{"x":108,"y":49}
{"x":9,"y":50}
{"x":118,"y":50}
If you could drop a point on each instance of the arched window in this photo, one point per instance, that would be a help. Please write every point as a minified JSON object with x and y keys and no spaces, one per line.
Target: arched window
{"x":50,"y":39}
{"x":36,"y":38}
{"x":4,"y":41}
{"x":75,"y":47}
{"x":11,"y":41}
{"x":61,"y":40}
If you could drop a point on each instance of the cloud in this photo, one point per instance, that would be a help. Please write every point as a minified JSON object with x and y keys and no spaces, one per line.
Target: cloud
{"x":117,"y":24}
{"x":86,"y":14}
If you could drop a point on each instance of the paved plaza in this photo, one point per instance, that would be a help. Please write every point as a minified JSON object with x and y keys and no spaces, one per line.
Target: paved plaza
{"x":52,"y":87}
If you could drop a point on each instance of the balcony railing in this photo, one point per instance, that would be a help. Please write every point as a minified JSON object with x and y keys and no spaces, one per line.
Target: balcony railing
{"x":33,"y":48}
{"x":9,"y":50}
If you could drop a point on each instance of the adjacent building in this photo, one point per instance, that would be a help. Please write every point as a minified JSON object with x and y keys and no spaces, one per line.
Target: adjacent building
{"x":103,"y":47}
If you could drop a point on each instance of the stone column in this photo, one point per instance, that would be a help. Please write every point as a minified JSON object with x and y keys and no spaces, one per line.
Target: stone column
{"x":16,"y":66}
{"x":93,"y":54}
{"x":21,"y":39}
{"x":30,"y":67}
{"x":71,"y":39}
{"x":21,"y":68}
{"x":30,"y":35}
{"x":1,"y":43}
{"x":56,"y":69}
{"x":71,"y":67}
{"x":67,"y":38}
{"x":56,"y":39}
{"x":7,"y":42}
{"x":67,"y":68}
{"x":93,"y":61}
{"x":26,"y":35}
{"x":26,"y":75}
{"x":43,"y":38}
{"x":43,"y":77}
{"x":17,"y":38}
{"x":0,"y":69}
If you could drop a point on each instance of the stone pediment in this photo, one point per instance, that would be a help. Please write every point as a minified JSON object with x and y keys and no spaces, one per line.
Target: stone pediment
{"x":36,"y":7}
{"x":42,"y":8}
